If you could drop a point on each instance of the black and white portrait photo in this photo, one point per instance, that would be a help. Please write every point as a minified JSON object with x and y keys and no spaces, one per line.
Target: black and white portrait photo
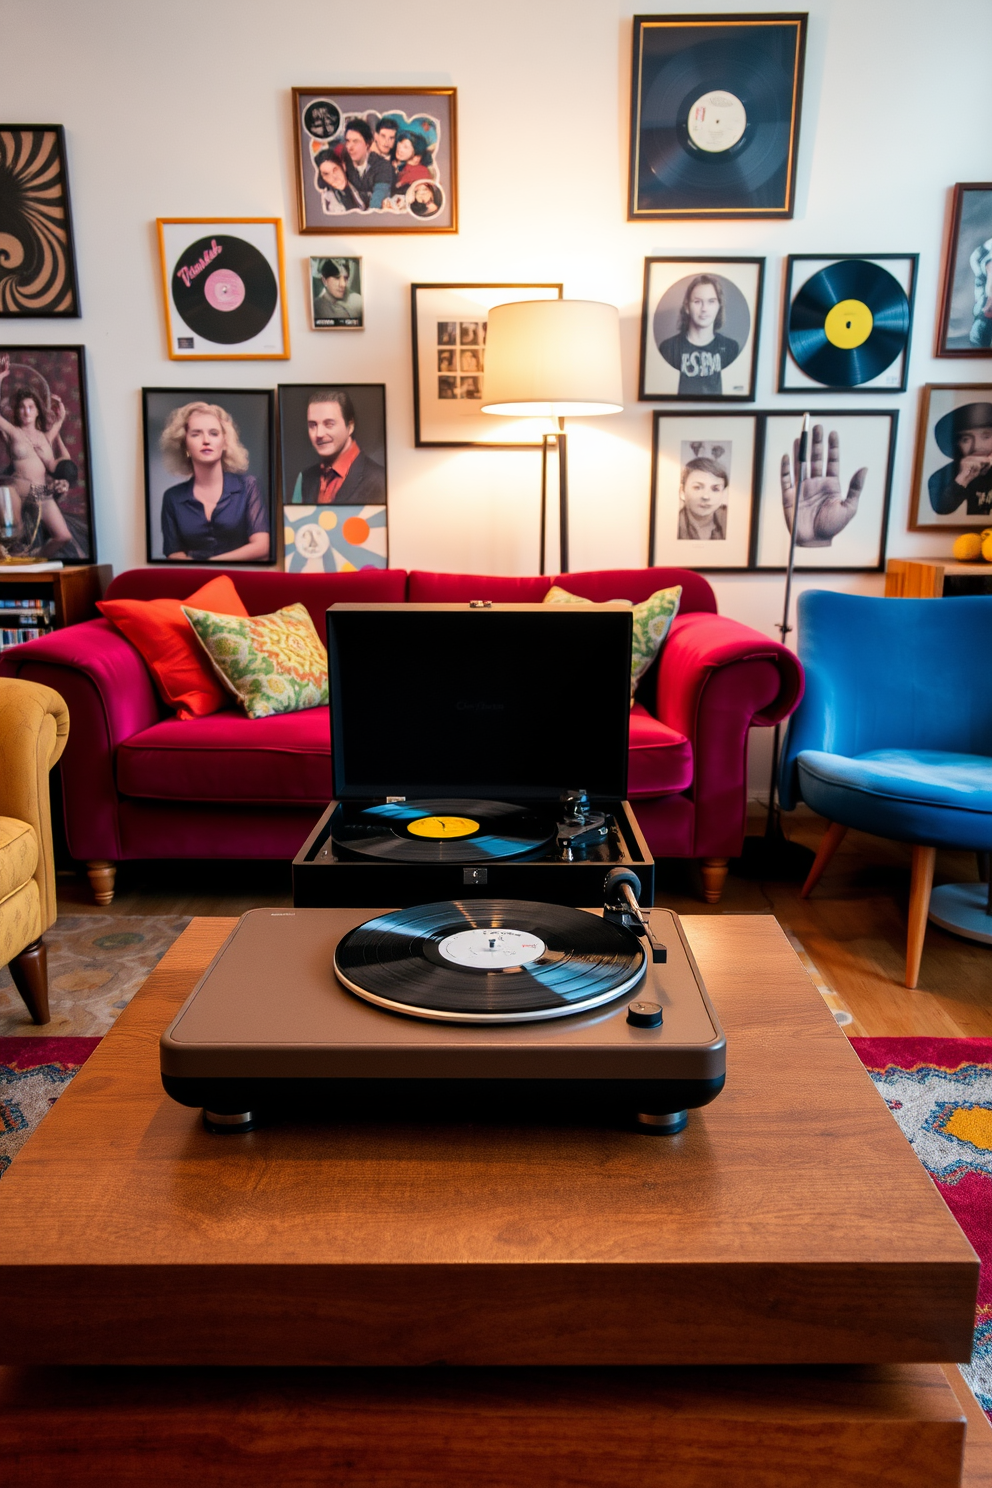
{"x":336,"y":298}
{"x":702,"y":489}
{"x":699,"y":329}
{"x":952,"y":486}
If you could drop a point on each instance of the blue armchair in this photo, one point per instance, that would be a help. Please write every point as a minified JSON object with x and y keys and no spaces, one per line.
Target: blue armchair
{"x":894,"y":736}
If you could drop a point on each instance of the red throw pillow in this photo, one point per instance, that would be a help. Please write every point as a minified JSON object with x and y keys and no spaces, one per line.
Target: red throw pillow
{"x":160,"y":631}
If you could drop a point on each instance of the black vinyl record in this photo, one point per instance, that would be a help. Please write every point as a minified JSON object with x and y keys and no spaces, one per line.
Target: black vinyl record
{"x":441,"y":831}
{"x":848,"y":323}
{"x":489,"y":960}
{"x":224,"y":289}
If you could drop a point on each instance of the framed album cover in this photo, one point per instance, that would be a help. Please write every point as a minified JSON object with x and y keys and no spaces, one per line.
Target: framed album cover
{"x":209,"y":475}
{"x":965,"y":324}
{"x":376,"y":159}
{"x":714,"y":115}
{"x":847,"y":324}
{"x":225,"y":289}
{"x":449,"y":358}
{"x":699,"y":329}
{"x":952,"y":472}
{"x":337,"y":300}
{"x":703,"y":480}
{"x":37,"y":259}
{"x":46,"y":491}
{"x":843,"y":504}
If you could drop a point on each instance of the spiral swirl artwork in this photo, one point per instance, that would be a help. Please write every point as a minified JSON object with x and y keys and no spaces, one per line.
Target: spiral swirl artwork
{"x":37,"y":272}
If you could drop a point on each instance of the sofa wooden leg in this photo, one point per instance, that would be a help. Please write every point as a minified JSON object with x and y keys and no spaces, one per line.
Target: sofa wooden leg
{"x":29,"y":972}
{"x":101,"y":876}
{"x":714,"y":872}
{"x":919,"y":904}
{"x":829,"y":843}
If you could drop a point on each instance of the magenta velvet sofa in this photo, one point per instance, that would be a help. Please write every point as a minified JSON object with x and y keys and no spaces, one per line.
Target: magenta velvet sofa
{"x":139,"y":784}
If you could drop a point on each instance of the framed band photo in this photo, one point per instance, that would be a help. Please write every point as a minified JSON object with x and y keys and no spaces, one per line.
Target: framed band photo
{"x":703,"y":482}
{"x":337,"y":300}
{"x":700,"y":320}
{"x":225,"y":288}
{"x":847,"y":323}
{"x":952,"y":472}
{"x":964,"y":328}
{"x":37,"y":259}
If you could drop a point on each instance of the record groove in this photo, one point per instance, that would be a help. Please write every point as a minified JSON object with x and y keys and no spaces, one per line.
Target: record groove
{"x":441,"y":831}
{"x":877,"y":299}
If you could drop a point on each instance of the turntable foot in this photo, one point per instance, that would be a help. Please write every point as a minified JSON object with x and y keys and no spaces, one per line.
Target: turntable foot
{"x":224,"y":1122}
{"x":665,"y":1125}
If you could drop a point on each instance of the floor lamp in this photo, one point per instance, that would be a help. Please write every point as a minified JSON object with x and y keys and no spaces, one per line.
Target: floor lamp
{"x":553,"y":359}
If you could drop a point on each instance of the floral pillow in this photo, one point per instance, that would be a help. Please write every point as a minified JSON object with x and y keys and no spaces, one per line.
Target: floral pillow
{"x":652,"y":622}
{"x":272,"y":663}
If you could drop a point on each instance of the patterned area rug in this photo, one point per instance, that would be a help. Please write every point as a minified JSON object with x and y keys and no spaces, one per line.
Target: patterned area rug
{"x":940,"y":1092}
{"x":33,"y":1074}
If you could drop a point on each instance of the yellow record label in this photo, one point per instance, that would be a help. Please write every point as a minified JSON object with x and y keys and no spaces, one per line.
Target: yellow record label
{"x":848,"y":324}
{"x":443,"y":826}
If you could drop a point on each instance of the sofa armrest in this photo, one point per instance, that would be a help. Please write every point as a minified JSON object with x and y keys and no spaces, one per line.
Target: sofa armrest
{"x":34,"y":725}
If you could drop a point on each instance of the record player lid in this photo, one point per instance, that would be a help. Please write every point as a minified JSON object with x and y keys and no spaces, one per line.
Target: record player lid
{"x":509,"y":702}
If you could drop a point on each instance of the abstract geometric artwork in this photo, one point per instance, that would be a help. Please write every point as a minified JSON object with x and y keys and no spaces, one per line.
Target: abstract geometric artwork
{"x":37,"y":263}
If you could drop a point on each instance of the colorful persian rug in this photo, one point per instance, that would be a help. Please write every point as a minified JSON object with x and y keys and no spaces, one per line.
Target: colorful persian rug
{"x":33,"y":1074}
{"x":940,"y":1092}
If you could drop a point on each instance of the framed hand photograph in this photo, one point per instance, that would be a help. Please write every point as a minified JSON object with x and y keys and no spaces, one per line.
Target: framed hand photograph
{"x":209,"y":475}
{"x":699,"y":329}
{"x":376,"y":159}
{"x":965,"y":324}
{"x":37,"y":260}
{"x":703,"y":474}
{"x":46,"y":491}
{"x":714,"y":115}
{"x":225,"y":288}
{"x":952,"y":472}
{"x":337,"y":300}
{"x":847,"y":323}
{"x":843,"y":507}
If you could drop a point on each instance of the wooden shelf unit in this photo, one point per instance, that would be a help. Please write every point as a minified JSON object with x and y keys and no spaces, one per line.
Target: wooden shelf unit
{"x":74,"y":591}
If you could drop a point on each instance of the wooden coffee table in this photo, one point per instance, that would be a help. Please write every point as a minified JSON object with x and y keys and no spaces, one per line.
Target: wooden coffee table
{"x":790,"y":1225}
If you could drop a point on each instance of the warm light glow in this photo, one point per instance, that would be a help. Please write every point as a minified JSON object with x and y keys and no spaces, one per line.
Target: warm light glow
{"x":553,"y":359}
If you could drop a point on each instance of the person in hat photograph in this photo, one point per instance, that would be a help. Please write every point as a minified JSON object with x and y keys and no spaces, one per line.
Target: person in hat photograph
{"x":965,"y":436}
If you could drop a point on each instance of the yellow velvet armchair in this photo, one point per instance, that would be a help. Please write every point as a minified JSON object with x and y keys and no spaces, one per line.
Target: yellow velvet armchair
{"x":34,"y":725}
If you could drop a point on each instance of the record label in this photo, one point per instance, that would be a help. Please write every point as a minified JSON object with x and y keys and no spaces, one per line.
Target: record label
{"x":443,"y":826}
{"x":716,"y":122}
{"x":224,"y":289}
{"x":492,"y":950}
{"x":849,"y":324}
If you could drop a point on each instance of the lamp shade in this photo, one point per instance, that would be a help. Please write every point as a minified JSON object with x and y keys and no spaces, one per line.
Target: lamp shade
{"x":552,"y":359}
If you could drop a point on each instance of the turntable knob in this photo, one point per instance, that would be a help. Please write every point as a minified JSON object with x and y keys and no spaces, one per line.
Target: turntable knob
{"x":645,"y":1014}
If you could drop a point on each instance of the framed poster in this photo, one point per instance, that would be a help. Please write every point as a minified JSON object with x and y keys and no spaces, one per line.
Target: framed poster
{"x":376,"y":159}
{"x":844,"y":503}
{"x":46,"y":492}
{"x":952,"y":473}
{"x":965,"y":324}
{"x":334,"y":539}
{"x":337,"y":301}
{"x":714,"y":116}
{"x":703,"y":479}
{"x":847,"y":322}
{"x":699,"y":328}
{"x":37,"y":259}
{"x":449,"y":358}
{"x":225,"y":290}
{"x":209,"y":475}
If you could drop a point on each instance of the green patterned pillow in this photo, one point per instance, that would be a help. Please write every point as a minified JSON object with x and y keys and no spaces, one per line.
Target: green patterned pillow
{"x":272,"y":663}
{"x":652,"y":622}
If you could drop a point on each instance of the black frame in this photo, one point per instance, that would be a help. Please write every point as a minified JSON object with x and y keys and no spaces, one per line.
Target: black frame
{"x":646,"y":397}
{"x":941,"y":349}
{"x":758,"y":457}
{"x":923,"y":431}
{"x":7,"y":306}
{"x":859,"y":390}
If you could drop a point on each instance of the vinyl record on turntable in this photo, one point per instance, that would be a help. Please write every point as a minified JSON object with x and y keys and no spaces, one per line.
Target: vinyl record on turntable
{"x":441,"y":831}
{"x":848,"y":323}
{"x":489,"y":961}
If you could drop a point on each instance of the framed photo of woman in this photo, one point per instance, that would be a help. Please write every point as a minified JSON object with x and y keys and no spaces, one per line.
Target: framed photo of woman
{"x":703,"y":474}
{"x":699,"y":329}
{"x":965,"y":324}
{"x":952,"y":475}
{"x":209,"y":475}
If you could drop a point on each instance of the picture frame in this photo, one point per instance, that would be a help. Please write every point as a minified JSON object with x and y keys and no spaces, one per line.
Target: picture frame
{"x":172,"y":509}
{"x":448,"y":340}
{"x":335,"y":290}
{"x":224,"y":288}
{"x":695,"y":459}
{"x":715,"y":106}
{"x":56,"y":522}
{"x":953,"y":439}
{"x":819,"y":290}
{"x":362,"y":184}
{"x":833,"y":538}
{"x":685,"y":362}
{"x":38,"y":266}
{"x":964,"y":326}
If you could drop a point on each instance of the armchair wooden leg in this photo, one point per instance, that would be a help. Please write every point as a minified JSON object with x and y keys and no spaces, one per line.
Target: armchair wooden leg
{"x":829,"y":843}
{"x":714,"y":872}
{"x":919,"y":904}
{"x":101,"y":876}
{"x":29,"y":971}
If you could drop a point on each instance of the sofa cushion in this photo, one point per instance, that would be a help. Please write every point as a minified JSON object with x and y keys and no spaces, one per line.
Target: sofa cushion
{"x":18,"y":855}
{"x":637,"y":584}
{"x":228,"y":757}
{"x":272,"y":663}
{"x":450,"y":588}
{"x":660,"y":758}
{"x":937,"y":797}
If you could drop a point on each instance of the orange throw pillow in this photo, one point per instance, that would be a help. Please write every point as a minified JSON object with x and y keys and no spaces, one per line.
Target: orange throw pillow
{"x":160,"y":631}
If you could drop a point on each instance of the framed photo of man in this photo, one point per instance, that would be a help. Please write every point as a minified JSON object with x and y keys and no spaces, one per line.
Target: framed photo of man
{"x":703,"y":481}
{"x":952,"y":475}
{"x":699,"y":329}
{"x":37,"y":259}
{"x":209,"y":475}
{"x":964,"y":328}
{"x":337,"y":300}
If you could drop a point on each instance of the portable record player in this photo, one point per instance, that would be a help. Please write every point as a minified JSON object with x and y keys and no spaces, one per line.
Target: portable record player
{"x":478,"y":749}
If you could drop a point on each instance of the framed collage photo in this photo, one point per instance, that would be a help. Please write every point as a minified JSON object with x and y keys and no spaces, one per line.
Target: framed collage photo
{"x":965,"y":324}
{"x":376,"y":159}
{"x":952,"y":472}
{"x":46,"y":490}
{"x":209,"y":449}
{"x":225,"y":288}
{"x":449,"y":358}
{"x":703,"y":480}
{"x":336,"y":295}
{"x":700,"y":320}
{"x":37,"y":260}
{"x":847,"y":323}
{"x":714,"y":115}
{"x":332,"y":476}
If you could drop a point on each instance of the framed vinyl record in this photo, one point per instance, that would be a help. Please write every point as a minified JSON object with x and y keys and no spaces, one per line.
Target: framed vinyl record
{"x":225,"y":291}
{"x":699,"y":329}
{"x":848,"y":320}
{"x":715,"y":105}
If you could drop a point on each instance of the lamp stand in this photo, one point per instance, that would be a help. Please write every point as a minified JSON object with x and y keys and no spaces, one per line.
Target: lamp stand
{"x":558,"y":439}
